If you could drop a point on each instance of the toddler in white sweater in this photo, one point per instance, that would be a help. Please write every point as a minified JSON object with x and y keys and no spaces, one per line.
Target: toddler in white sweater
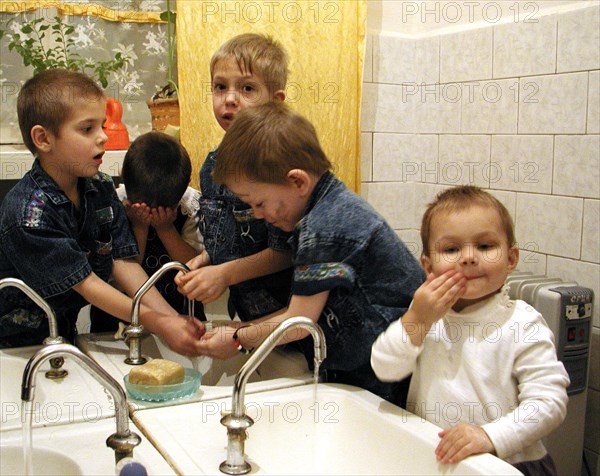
{"x":483,"y":367}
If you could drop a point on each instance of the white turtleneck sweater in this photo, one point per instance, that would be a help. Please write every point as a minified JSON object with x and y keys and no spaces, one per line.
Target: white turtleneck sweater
{"x":493,"y":364}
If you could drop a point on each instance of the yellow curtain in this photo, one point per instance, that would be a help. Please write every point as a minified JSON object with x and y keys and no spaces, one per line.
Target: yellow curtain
{"x":66,"y":8}
{"x":325,"y":44}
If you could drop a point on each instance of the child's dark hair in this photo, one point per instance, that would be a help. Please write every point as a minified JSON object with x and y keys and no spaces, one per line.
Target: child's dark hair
{"x":459,"y":198}
{"x":265,"y":142}
{"x":156,"y":170}
{"x":47,"y":99}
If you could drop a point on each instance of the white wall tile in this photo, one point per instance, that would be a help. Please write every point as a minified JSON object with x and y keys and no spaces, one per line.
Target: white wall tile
{"x":437,"y":108}
{"x":400,"y":60}
{"x":412,"y":240}
{"x":590,"y":246}
{"x":387,"y":108}
{"x":464,"y":160}
{"x":555,"y":104}
{"x":522,"y":163}
{"x":578,"y":40}
{"x":424,"y":193}
{"x":584,"y":274}
{"x":525,"y":48}
{"x":531,"y":261}
{"x":490,"y":107}
{"x":549,"y":224}
{"x":577,"y":166}
{"x":593,"y":117}
{"x":368,"y":66}
{"x":405,"y":157}
{"x":366,"y":156}
{"x":394,"y":201}
{"x":466,"y":56}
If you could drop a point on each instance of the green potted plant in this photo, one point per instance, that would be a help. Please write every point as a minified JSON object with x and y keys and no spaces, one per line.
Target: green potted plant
{"x":49,"y":44}
{"x":164,"y":104}
{"x":38,"y":52}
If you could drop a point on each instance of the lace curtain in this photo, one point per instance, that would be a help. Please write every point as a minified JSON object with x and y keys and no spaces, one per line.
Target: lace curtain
{"x":131,"y":27}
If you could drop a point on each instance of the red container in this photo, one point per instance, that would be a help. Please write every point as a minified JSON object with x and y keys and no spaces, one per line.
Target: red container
{"x":118,"y":137}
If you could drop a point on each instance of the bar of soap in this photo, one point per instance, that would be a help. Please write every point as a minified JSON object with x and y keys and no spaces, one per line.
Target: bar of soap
{"x":157,"y":372}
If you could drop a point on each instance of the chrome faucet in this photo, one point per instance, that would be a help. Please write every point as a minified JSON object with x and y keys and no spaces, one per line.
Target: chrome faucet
{"x":124,"y":440}
{"x":133,"y":332}
{"x":237,"y":422}
{"x":56,"y":371}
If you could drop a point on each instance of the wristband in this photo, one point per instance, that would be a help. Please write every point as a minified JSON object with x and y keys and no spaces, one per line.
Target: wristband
{"x":238,"y":345}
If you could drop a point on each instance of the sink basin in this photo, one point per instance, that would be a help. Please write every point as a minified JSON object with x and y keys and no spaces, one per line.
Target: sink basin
{"x":75,"y":449}
{"x":324,"y":429}
{"x":282,"y":368}
{"x":74,"y":398}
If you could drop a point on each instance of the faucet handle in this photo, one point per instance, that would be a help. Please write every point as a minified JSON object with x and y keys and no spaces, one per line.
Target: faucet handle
{"x":123,"y":444}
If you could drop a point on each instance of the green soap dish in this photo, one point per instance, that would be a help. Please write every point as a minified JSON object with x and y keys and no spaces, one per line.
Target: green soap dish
{"x":163,"y":393}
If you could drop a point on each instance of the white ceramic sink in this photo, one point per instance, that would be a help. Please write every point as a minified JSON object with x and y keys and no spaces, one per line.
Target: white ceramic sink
{"x":76,"y":397}
{"x":282,"y":368}
{"x":330,"y":429}
{"x":76,"y":449}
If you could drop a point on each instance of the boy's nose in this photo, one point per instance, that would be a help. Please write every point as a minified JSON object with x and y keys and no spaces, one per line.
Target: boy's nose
{"x":102,"y":137}
{"x":468,"y":255}
{"x":231,"y":97}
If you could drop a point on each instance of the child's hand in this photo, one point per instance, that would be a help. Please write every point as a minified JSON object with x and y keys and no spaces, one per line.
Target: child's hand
{"x":461,"y":441}
{"x":182,"y":334}
{"x":203,"y":284}
{"x":218,"y":343}
{"x":138,"y":213}
{"x":162,"y":218}
{"x":437,"y":295}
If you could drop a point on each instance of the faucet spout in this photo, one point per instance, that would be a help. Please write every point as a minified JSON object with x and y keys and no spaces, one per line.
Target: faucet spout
{"x":53,"y":338}
{"x":124,"y":440}
{"x":133,"y":332}
{"x":238,"y":422}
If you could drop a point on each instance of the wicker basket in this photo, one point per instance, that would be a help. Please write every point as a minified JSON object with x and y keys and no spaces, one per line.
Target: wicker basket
{"x":164,"y":112}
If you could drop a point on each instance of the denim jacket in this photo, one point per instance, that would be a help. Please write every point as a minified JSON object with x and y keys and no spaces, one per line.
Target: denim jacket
{"x":344,"y":246}
{"x":231,"y":232}
{"x":52,"y":247}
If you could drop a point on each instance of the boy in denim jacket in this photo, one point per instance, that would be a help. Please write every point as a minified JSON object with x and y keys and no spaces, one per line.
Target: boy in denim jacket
{"x":242,"y":252}
{"x":352,"y":274}
{"x":63,"y":230}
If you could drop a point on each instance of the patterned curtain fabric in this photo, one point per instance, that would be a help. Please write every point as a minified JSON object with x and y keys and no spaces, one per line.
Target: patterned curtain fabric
{"x":325,"y":43}
{"x":131,"y":27}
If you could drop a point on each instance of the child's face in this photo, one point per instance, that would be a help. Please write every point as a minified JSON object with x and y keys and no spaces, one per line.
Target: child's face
{"x":78,"y":148}
{"x":234,"y":90}
{"x":473,"y":242}
{"x":282,"y":205}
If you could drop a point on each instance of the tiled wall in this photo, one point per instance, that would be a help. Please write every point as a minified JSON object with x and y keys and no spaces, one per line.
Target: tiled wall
{"x":514,"y":108}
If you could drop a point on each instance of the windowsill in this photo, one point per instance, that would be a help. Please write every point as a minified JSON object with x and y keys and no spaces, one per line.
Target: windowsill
{"x":16,"y":160}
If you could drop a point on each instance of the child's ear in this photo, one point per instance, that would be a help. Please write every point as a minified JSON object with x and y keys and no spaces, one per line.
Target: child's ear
{"x":279,"y":95}
{"x":426,"y":263}
{"x":41,"y":138}
{"x":300,"y":179}
{"x":513,"y":258}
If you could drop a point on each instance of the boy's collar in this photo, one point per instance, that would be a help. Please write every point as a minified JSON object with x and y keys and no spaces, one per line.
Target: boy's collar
{"x":325,"y":182}
{"x":51,"y":188}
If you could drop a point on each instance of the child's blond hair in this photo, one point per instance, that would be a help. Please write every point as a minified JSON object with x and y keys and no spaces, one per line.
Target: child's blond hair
{"x":459,"y":198}
{"x":256,"y":54}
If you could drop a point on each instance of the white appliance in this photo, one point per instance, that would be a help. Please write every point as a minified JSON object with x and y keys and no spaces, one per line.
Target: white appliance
{"x":568,"y":309}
